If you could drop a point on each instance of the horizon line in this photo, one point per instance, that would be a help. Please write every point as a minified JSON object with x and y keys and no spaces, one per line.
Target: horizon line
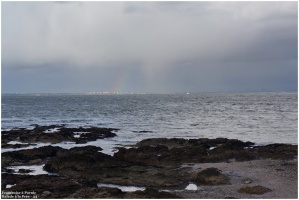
{"x":120,"y":93}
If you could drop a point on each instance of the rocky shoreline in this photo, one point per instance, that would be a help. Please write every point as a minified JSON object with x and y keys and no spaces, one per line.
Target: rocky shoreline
{"x":153,"y":168}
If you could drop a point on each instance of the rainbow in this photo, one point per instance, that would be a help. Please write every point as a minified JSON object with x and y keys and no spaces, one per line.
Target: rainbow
{"x":120,"y":80}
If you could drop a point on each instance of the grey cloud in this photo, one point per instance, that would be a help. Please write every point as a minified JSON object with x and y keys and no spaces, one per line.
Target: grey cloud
{"x":150,"y":40}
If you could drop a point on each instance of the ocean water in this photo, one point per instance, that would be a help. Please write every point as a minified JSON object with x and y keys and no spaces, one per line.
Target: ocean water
{"x":262,"y":118}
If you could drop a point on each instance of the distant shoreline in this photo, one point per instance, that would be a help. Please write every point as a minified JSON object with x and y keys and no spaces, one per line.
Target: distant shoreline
{"x":141,"y":93}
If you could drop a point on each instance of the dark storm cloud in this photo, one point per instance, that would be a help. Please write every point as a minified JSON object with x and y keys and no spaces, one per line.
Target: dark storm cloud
{"x":149,"y":46}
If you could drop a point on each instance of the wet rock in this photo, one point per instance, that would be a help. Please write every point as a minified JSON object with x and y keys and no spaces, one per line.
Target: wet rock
{"x":115,"y":193}
{"x":88,"y":134}
{"x":82,"y":159}
{"x":59,"y":187}
{"x":29,"y":156}
{"x":151,"y":163}
{"x":150,"y":193}
{"x":55,"y":134}
{"x":87,"y":163}
{"x":24,"y":171}
{"x":211,"y":176}
{"x":162,"y":151}
{"x":144,"y":155}
{"x":97,"y":193}
{"x":12,"y":179}
{"x":169,"y":143}
{"x":258,"y":189}
{"x":63,"y":187}
{"x":276,"y":151}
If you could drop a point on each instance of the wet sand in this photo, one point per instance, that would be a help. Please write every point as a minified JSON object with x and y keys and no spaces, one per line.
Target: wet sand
{"x":281,"y":176}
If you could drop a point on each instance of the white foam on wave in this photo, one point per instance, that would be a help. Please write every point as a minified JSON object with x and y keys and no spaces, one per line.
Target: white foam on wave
{"x":121,"y":187}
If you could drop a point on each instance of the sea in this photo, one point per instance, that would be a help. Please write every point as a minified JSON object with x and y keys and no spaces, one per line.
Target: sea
{"x":259,"y":117}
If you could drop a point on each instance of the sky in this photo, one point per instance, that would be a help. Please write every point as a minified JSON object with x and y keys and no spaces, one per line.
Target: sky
{"x":152,"y":47}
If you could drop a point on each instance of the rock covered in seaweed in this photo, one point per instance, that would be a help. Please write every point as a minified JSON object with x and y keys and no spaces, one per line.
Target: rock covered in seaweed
{"x":211,"y":176}
{"x":258,"y":189}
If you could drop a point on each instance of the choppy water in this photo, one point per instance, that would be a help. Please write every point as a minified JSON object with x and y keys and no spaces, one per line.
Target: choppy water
{"x":258,"y":117}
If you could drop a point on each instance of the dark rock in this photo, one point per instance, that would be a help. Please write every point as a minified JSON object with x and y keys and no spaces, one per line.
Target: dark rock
{"x":97,"y":193}
{"x":56,"y":187}
{"x":169,"y":143}
{"x":144,"y":155}
{"x":162,"y":151}
{"x":151,"y":163}
{"x":63,"y":187}
{"x":144,"y":131}
{"x":258,"y":189}
{"x":157,"y":152}
{"x":86,"y":150}
{"x":11,"y":179}
{"x":89,"y":164}
{"x":150,"y":193}
{"x":25,"y":171}
{"x":276,"y":151}
{"x":39,"y":134}
{"x":115,"y":193}
{"x":211,"y":176}
{"x":29,"y":156}
{"x":82,"y":159}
